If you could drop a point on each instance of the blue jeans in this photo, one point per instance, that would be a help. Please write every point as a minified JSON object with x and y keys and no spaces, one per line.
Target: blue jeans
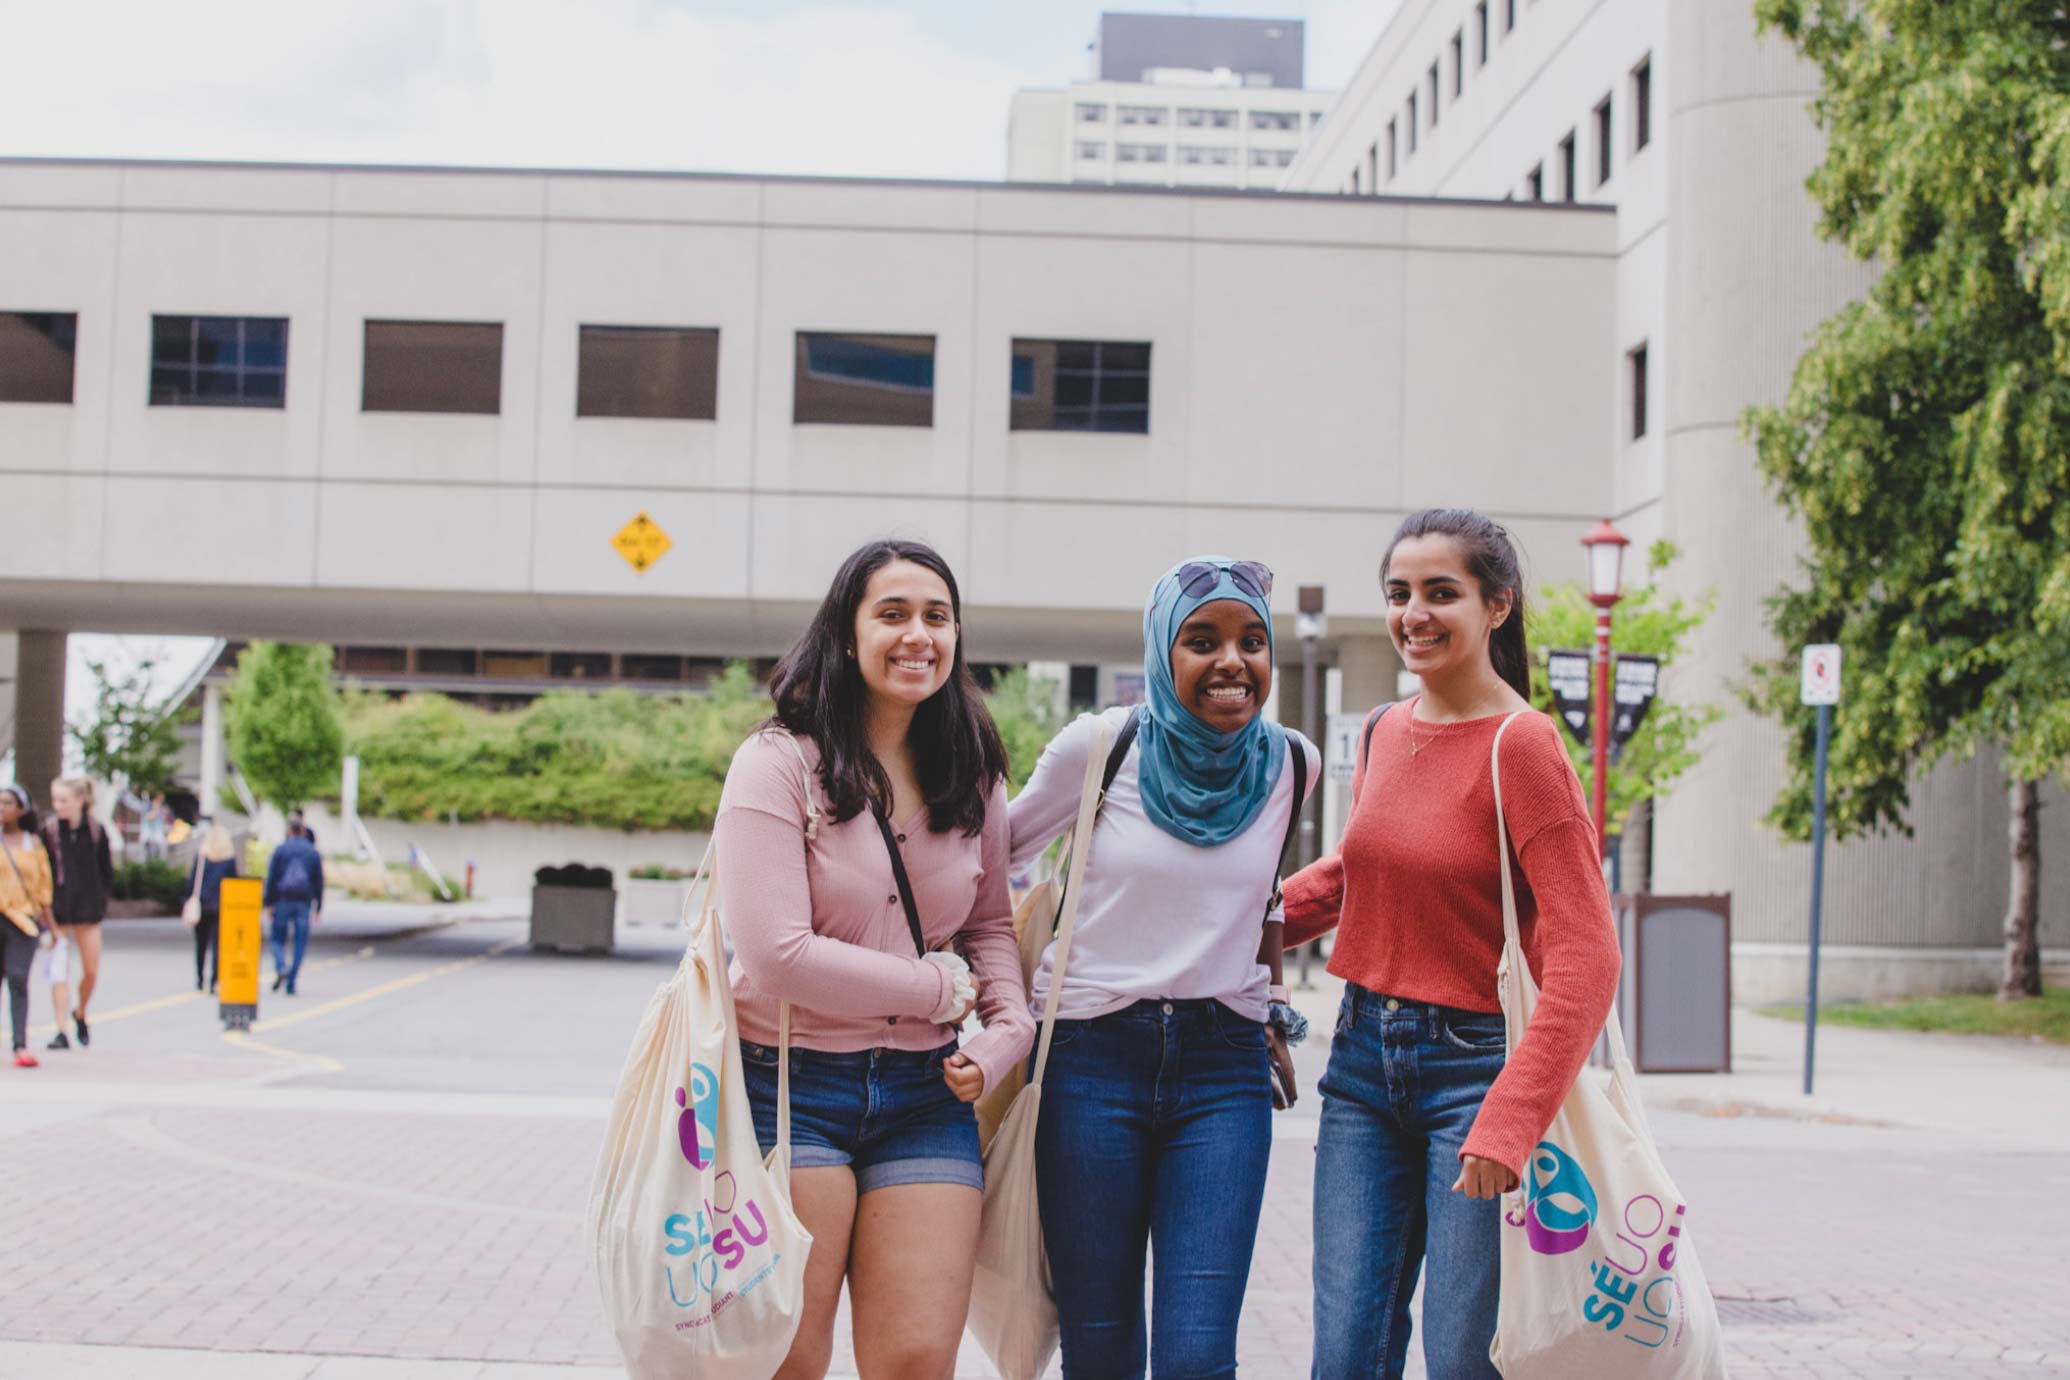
{"x":290,"y":917}
{"x":885,"y":1113}
{"x":1155,"y":1129}
{"x":1404,"y":1084}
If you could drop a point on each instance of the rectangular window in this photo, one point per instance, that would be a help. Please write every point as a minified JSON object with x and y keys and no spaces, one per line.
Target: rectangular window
{"x":1393,"y":159}
{"x":1373,"y":167}
{"x":1207,"y":119}
{"x":648,"y":371}
{"x":36,"y":354}
{"x":649,"y":666}
{"x":445,"y":661}
{"x":863,"y":380}
{"x":1603,"y":142}
{"x":1458,"y":63}
{"x":373,"y":661}
{"x":219,"y":361}
{"x":1091,"y":150}
{"x":1209,"y":155}
{"x":1081,"y":385}
{"x":1567,"y":167}
{"x":579,"y":665}
{"x":1355,"y":187}
{"x":1412,"y":122}
{"x":1636,"y":370}
{"x":1141,"y":153}
{"x":1642,"y":104}
{"x":1272,"y":158}
{"x":1509,"y":16}
{"x":1480,"y":32}
{"x":1433,"y":95}
{"x":1276,"y":119}
{"x":433,"y":366}
{"x":1089,"y":114}
{"x":514,"y":665}
{"x":1143,"y":114}
{"x":1534,"y":183}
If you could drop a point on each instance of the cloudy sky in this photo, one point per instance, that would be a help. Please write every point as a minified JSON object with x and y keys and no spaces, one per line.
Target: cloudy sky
{"x":906,"y":88}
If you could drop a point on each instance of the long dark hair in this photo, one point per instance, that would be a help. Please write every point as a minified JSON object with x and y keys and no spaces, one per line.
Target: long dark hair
{"x":820,"y":695}
{"x":27,"y":821}
{"x":1491,"y":558}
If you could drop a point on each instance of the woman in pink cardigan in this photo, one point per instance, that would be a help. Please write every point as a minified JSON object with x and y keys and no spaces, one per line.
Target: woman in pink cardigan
{"x":863,"y":841}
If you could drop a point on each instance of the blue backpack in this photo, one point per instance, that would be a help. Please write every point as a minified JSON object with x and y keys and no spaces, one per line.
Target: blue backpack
{"x":295,"y":882}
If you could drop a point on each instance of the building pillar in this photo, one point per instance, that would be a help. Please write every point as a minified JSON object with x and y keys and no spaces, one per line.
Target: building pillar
{"x":211,"y":749}
{"x":1370,"y":668}
{"x":39,"y":712}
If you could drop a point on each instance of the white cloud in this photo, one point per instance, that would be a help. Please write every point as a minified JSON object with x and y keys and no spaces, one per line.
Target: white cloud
{"x":600,"y":83}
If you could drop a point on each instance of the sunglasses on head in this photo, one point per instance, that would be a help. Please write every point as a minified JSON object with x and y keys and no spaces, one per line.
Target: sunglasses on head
{"x":1252,"y":577}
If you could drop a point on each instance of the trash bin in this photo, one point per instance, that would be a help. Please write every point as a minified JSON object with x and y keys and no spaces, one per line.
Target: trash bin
{"x":573,"y":908}
{"x":1675,"y":997}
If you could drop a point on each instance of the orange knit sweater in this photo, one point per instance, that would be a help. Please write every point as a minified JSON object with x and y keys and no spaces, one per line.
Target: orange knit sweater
{"x":1415,"y":894}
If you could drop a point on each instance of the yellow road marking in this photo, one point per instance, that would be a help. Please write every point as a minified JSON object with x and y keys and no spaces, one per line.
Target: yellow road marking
{"x":145,"y":1008}
{"x":244,"y":1041}
{"x":342,"y":1003}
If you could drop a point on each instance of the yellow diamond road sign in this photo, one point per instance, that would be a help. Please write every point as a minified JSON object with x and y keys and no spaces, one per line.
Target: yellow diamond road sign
{"x":641,"y":542}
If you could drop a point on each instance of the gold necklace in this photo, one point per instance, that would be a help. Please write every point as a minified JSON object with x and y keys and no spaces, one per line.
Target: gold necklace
{"x":1414,"y":746}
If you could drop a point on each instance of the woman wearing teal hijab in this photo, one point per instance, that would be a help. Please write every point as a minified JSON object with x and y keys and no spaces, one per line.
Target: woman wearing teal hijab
{"x":1157,"y":1101}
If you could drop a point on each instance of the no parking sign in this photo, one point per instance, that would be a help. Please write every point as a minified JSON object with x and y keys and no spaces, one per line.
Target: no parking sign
{"x":1821,"y":673}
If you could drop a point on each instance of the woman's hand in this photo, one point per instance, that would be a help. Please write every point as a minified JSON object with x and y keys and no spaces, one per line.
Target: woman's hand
{"x":965,"y":1079}
{"x":1284,"y":1093}
{"x":1479,"y":1178}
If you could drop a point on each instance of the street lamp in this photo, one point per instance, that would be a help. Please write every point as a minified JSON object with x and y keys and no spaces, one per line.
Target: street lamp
{"x":1605,"y":547}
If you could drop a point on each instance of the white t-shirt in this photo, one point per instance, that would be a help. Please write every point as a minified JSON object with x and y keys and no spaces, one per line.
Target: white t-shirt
{"x":1160,"y":918}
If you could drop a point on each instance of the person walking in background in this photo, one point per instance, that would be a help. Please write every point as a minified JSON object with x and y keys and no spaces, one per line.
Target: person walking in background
{"x":1157,"y":1106}
{"x":293,"y":897}
{"x":216,"y":862}
{"x":155,"y":825}
{"x":85,"y":875}
{"x":25,"y":918}
{"x":861,"y":832}
{"x":1424,"y":1123}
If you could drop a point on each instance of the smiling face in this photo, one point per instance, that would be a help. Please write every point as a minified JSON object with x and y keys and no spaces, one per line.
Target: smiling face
{"x":905,"y":633}
{"x":1222,"y":664}
{"x":1436,"y":613}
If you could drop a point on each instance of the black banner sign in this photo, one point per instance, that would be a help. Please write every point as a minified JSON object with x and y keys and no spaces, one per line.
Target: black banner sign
{"x":1569,"y":674}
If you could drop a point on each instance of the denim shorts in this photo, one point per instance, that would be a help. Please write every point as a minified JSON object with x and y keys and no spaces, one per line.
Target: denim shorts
{"x":886,"y":1113}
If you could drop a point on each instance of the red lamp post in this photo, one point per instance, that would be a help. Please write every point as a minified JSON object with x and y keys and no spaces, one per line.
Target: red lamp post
{"x":1605,"y":547}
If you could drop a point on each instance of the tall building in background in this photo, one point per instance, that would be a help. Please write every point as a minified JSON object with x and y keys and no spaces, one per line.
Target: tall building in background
{"x":1174,"y":100}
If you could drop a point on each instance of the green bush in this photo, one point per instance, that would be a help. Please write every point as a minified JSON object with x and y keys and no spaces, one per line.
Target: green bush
{"x":155,"y":880}
{"x":1026,"y":709}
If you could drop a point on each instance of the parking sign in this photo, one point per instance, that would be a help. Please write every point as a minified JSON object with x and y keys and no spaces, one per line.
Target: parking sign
{"x":1821,"y":673}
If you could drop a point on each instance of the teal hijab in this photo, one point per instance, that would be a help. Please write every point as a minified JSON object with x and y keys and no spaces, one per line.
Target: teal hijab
{"x":1197,"y":784}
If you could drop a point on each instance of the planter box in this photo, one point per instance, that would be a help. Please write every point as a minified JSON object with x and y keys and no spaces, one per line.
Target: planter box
{"x":573,"y":917}
{"x":653,"y":902}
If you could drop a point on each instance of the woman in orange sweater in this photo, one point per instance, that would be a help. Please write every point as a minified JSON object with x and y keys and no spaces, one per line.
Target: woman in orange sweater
{"x":1424,"y":1124}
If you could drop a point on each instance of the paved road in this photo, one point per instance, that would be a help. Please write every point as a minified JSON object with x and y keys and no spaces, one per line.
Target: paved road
{"x":394,"y":1165}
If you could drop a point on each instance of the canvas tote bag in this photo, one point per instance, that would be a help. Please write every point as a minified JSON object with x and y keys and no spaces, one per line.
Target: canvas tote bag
{"x":699,"y":1256}
{"x":1600,"y":1279}
{"x":1013,"y":1314}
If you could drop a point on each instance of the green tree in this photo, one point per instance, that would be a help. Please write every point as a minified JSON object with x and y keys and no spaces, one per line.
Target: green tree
{"x":1650,"y":622}
{"x":286,"y":732}
{"x":1026,"y":709}
{"x":1925,"y":440}
{"x":129,"y":738}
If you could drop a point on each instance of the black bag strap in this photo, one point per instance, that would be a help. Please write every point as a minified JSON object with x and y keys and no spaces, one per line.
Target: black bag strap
{"x":1299,"y":753}
{"x":1365,"y":747}
{"x":1118,"y":754}
{"x":905,"y":885}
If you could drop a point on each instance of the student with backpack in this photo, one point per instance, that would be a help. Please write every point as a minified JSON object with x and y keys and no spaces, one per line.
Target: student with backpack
{"x":1157,"y":1102}
{"x":293,"y":897}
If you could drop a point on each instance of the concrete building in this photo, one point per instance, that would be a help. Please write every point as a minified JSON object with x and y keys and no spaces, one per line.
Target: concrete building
{"x":1695,"y":134}
{"x":1174,"y":101}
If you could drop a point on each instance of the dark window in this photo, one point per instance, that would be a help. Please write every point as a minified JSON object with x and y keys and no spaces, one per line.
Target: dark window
{"x":1458,"y":63}
{"x":1642,"y":105}
{"x":648,"y":371}
{"x":1355,"y":188}
{"x":1081,"y":385}
{"x":1373,"y":168}
{"x":1392,"y":155}
{"x":1509,"y":16}
{"x":1567,"y":167}
{"x":1480,"y":31}
{"x":219,"y":361}
{"x":433,"y":366}
{"x":1603,"y":142}
{"x":1276,"y":119}
{"x":1433,"y":95}
{"x":650,"y":666}
{"x":1084,"y":690}
{"x":1412,"y":122}
{"x":445,"y":661}
{"x":864,"y":380}
{"x":1637,"y":370}
{"x":1534,"y":183}
{"x":373,"y":661}
{"x":36,"y":351}
{"x":579,"y":665}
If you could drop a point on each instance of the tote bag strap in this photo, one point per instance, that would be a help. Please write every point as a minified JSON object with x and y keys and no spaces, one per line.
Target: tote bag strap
{"x":1089,"y":796}
{"x":1513,"y":964}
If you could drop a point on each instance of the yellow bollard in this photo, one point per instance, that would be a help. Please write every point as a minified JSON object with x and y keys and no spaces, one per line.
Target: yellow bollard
{"x":237,"y":952}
